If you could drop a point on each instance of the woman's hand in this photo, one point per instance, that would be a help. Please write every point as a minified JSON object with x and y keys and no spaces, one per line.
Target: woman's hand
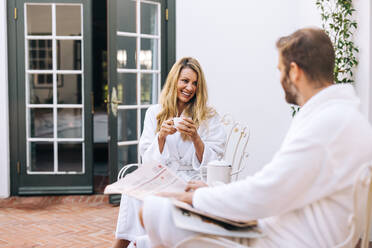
{"x":188,"y":128}
{"x":194,"y":185}
{"x":166,"y":129}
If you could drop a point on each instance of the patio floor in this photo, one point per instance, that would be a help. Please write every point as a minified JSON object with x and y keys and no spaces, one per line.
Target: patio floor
{"x":57,"y":221}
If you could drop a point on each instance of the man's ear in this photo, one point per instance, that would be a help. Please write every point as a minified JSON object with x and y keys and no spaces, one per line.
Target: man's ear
{"x":294,"y":72}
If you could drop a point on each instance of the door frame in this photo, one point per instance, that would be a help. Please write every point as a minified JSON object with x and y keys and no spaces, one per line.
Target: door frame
{"x":168,"y":51}
{"x":16,"y":108}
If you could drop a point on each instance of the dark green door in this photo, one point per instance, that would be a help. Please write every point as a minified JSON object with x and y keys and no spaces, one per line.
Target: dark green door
{"x":53,"y":150}
{"x":140,"y":49}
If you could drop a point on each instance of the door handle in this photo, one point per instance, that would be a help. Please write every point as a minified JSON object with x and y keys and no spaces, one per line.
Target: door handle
{"x":114,"y":101}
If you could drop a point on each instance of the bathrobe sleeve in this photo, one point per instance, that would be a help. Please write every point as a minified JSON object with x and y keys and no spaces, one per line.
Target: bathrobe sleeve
{"x":148,"y":144}
{"x":301,"y":173}
{"x":213,"y":135}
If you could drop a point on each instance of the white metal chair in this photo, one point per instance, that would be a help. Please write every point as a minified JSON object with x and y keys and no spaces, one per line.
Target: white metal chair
{"x":359,"y":221}
{"x":126,"y":170}
{"x":235,"y":151}
{"x":236,"y":145}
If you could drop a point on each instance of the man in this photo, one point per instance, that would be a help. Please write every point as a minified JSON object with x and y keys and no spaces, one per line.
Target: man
{"x":303,"y":197}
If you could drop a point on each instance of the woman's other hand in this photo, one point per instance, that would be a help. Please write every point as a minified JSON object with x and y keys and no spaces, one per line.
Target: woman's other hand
{"x":188,"y":128}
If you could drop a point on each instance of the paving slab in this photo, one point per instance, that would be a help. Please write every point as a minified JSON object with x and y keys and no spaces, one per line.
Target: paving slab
{"x":57,"y":221}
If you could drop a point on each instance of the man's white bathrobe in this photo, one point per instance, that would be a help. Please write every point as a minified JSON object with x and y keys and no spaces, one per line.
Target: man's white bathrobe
{"x":303,"y":197}
{"x":178,"y":154}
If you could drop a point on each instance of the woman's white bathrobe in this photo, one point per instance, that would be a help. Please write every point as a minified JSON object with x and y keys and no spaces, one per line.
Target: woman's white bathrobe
{"x":178,"y":154}
{"x":303,"y":197}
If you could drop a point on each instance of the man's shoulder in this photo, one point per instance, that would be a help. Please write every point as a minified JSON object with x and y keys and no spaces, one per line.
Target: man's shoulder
{"x":335,"y":119}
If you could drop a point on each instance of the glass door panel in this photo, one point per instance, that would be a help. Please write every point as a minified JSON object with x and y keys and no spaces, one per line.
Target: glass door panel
{"x":52,"y":56}
{"x":53,"y":42}
{"x":134,"y":74}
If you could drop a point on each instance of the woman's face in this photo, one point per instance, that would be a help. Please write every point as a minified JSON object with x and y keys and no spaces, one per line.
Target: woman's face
{"x":186,"y":85}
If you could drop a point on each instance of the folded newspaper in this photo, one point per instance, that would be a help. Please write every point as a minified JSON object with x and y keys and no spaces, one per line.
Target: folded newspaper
{"x":148,"y":179}
{"x":152,"y":179}
{"x":188,"y":218}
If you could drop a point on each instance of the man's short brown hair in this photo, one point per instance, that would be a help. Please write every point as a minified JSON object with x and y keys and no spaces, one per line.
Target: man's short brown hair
{"x":312,"y":50}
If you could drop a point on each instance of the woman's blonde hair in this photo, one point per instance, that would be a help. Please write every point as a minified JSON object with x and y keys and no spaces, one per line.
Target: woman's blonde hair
{"x":196,"y":108}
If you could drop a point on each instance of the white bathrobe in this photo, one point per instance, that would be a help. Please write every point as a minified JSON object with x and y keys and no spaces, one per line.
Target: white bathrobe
{"x":178,"y":154}
{"x":303,"y":197}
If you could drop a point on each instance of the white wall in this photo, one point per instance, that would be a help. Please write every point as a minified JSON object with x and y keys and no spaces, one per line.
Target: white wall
{"x":4,"y":130}
{"x":363,"y":40}
{"x":235,"y":44}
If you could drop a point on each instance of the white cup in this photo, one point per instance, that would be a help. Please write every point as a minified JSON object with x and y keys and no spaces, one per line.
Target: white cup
{"x":218,"y":172}
{"x":176,"y":121}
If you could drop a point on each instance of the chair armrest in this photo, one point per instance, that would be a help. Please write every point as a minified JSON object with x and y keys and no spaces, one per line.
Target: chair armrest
{"x":125,"y":170}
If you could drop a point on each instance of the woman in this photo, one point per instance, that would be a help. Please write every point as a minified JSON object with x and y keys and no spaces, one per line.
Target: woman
{"x":198,"y":138}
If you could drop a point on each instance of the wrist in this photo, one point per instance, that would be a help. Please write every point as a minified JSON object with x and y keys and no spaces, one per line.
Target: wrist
{"x":161,"y":137}
{"x":196,"y":139}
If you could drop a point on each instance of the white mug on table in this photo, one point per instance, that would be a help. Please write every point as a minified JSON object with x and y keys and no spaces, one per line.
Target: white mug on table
{"x":218,"y":172}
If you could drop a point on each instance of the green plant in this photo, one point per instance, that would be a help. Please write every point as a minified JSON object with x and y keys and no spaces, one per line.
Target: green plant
{"x":338,"y":22}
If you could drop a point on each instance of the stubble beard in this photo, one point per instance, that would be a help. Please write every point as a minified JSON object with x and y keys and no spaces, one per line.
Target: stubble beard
{"x":290,"y":90}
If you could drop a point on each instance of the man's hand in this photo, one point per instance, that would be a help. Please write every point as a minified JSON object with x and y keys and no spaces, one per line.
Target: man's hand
{"x":184,"y":197}
{"x":194,"y":185}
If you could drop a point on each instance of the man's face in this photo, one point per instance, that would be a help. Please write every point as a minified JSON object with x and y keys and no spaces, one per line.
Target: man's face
{"x":290,"y":90}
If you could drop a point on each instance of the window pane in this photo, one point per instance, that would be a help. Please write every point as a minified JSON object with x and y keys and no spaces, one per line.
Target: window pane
{"x":149,"y":54}
{"x":149,"y":88}
{"x":69,"y":88}
{"x":127,"y":155}
{"x":127,"y":124}
{"x":149,"y":19}
{"x":127,"y":88}
{"x":41,"y":123}
{"x":69,"y":123}
{"x":39,"y":19}
{"x":70,"y":157}
{"x":69,"y":54}
{"x":68,"y":20}
{"x":126,"y":54}
{"x":41,"y":88}
{"x":40,"y":54}
{"x":42,"y":156}
{"x":126,"y":16}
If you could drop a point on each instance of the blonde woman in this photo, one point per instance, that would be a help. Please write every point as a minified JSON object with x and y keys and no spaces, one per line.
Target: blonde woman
{"x":197,"y":139}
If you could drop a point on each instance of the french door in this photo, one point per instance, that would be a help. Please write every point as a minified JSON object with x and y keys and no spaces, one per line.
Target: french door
{"x":52,"y":126}
{"x":139,"y":58}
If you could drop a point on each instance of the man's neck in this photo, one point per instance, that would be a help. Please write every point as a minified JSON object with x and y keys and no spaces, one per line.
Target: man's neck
{"x":309,"y":91}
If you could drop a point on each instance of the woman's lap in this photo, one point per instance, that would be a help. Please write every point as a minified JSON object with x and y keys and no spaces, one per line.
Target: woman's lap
{"x":128,"y":224}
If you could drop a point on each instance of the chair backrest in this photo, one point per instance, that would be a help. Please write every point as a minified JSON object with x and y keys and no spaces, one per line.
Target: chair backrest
{"x":236,"y":144}
{"x":129,"y":168}
{"x":359,"y":221}
{"x":363,"y":203}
